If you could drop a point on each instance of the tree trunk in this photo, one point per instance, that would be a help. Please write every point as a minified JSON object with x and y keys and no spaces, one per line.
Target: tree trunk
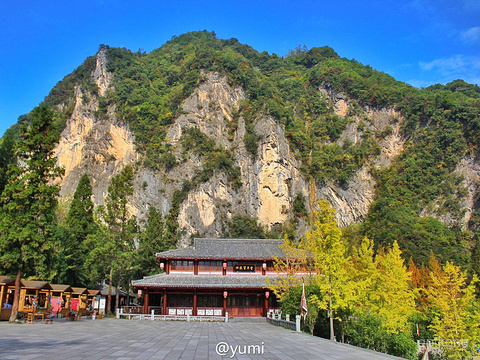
{"x":117,"y":297}
{"x":312,"y":199}
{"x":109,"y":297}
{"x":16,"y":297}
{"x":330,"y":314}
{"x":128,"y":291}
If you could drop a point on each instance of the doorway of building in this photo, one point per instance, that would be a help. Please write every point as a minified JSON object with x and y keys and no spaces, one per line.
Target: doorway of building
{"x":245,"y":305}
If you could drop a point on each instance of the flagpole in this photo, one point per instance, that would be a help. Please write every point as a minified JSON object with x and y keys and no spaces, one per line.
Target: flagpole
{"x":303,"y":302}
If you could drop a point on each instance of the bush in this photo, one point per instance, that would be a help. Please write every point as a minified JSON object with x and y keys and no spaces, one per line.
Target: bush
{"x":367,"y":331}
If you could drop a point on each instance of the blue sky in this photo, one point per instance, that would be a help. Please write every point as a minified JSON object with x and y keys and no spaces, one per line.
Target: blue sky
{"x":421,"y":42}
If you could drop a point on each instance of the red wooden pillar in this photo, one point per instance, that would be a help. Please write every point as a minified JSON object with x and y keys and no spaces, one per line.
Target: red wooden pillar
{"x":195,"y":267}
{"x":167,"y":266}
{"x":267,"y":294}
{"x":145,"y":301}
{"x":194,"y":312}
{"x":164,"y":305}
{"x":225,"y":294}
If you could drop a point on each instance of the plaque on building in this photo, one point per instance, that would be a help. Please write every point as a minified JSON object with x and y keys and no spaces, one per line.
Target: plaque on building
{"x":244,"y":268}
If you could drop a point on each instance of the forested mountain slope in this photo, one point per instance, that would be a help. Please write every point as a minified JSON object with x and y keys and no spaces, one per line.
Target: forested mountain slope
{"x":227,"y":141}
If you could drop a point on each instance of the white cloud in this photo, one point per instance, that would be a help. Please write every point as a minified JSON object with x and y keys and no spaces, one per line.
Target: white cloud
{"x":452,"y":65}
{"x":471,"y":35}
{"x":452,"y":68}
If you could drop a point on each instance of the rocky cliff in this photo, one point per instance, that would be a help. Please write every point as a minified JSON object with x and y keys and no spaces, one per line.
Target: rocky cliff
{"x":102,"y":145}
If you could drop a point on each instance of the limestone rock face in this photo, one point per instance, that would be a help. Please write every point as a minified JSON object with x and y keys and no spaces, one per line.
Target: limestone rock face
{"x":469,"y":169}
{"x":98,"y":147}
{"x":469,"y":172}
{"x":352,"y":201}
{"x":209,"y":109}
{"x":276,"y":175}
{"x":271,"y":181}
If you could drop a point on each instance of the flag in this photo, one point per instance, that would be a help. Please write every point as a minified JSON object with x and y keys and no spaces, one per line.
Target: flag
{"x":303,"y":303}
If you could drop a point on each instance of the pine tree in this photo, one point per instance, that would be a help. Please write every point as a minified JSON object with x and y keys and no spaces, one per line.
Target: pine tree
{"x":28,"y":202}
{"x":153,"y":240}
{"x":7,"y":156}
{"x":79,"y":224}
{"x":120,"y":244}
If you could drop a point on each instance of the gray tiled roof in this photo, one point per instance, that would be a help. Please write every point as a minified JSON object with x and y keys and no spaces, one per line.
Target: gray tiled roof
{"x":227,"y":249}
{"x":203,"y":281}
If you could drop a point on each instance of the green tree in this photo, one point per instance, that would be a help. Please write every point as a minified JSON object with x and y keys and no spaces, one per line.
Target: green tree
{"x":246,"y":227}
{"x":154,"y":239}
{"x":28,"y":202}
{"x":367,"y":331}
{"x":79,"y":224}
{"x":98,"y":260}
{"x":475,"y":262}
{"x":117,"y":217}
{"x":7,"y":155}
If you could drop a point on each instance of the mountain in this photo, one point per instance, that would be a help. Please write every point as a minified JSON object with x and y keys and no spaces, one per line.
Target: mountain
{"x":221,"y":134}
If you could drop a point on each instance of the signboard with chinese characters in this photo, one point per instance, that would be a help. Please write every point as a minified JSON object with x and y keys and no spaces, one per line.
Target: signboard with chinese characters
{"x":244,"y":268}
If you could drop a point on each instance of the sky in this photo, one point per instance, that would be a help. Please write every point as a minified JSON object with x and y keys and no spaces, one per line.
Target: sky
{"x":420,"y":42}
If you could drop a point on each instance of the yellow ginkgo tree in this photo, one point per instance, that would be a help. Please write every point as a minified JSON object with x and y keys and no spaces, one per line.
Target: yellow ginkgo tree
{"x":331,"y":263}
{"x":292,"y":268}
{"x":456,"y":312}
{"x":392,"y":297}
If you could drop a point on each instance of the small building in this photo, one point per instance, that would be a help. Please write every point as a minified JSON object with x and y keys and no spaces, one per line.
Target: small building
{"x":60,"y":298}
{"x":7,"y":287}
{"x":92,"y":297}
{"x":33,"y":293}
{"x":78,"y":301}
{"x":101,"y":299}
{"x":212,"y":277}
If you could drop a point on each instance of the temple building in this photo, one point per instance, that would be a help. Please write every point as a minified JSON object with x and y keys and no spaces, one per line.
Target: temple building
{"x":212,"y":277}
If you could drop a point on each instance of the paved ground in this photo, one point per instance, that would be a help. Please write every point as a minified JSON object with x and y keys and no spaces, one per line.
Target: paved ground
{"x":134,"y":339}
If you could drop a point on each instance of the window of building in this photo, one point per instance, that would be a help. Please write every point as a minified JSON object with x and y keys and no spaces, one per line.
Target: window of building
{"x":209,"y":301}
{"x":244,"y":300}
{"x":210,"y":265}
{"x":181,"y":265}
{"x":180,"y":300}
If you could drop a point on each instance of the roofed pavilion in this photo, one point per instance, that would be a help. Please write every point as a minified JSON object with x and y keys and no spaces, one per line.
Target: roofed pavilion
{"x":212,"y":277}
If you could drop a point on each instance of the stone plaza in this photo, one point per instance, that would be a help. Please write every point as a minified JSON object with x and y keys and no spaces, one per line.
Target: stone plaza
{"x":134,"y":339}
